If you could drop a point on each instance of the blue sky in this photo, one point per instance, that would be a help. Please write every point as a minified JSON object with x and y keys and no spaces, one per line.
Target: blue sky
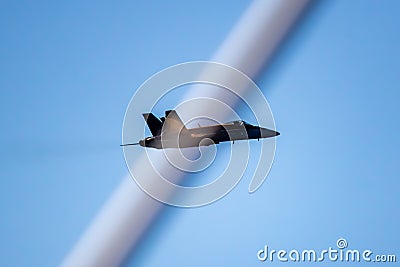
{"x":69,"y":70}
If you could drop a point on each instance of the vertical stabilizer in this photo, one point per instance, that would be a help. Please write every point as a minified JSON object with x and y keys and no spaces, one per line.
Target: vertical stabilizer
{"x":173,"y":123}
{"x":154,"y":123}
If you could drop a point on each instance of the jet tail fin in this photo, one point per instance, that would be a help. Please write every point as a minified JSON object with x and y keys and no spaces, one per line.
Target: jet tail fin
{"x":154,"y":123}
{"x":173,"y":123}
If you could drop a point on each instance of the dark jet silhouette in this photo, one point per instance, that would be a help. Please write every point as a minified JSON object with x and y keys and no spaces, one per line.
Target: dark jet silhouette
{"x":170,"y":132}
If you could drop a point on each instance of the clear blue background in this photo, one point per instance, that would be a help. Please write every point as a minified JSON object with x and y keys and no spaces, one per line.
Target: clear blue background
{"x":68,"y":70}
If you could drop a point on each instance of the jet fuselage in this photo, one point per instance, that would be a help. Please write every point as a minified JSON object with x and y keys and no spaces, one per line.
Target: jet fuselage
{"x":208,"y":135}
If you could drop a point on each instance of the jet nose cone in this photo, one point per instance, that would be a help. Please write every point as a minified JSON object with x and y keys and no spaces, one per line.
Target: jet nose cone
{"x":265,"y":133}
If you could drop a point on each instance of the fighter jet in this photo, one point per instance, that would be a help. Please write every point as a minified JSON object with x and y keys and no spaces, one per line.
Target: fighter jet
{"x":170,"y":132}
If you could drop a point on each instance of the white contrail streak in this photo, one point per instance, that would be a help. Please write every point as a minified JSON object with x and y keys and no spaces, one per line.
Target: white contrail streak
{"x":129,"y":211}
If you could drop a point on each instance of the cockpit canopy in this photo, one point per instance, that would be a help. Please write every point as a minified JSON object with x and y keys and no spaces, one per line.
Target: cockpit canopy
{"x":239,"y":122}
